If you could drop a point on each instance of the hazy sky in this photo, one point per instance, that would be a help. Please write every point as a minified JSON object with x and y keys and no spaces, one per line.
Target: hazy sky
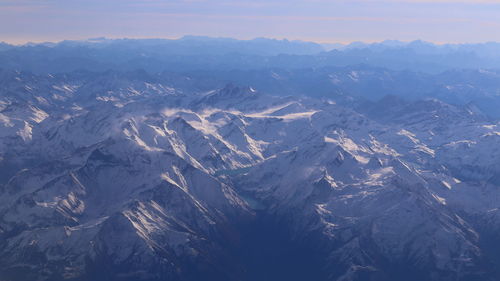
{"x":315,"y":20}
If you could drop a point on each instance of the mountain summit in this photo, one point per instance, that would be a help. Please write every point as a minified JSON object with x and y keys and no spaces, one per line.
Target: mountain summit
{"x":148,"y":179}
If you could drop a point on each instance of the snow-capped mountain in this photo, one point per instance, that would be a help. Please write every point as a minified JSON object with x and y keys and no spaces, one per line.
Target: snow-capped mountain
{"x":115,"y":176}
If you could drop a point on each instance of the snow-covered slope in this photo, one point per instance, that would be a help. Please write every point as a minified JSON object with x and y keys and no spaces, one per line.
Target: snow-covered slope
{"x":113,"y":178}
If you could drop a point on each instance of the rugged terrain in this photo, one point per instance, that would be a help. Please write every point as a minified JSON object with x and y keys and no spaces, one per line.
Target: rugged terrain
{"x":122,"y":176}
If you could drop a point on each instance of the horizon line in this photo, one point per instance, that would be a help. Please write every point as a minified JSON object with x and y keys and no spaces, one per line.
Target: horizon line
{"x":20,"y":43}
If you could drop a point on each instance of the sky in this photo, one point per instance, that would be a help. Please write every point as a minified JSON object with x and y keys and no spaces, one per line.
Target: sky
{"x":323,"y":21}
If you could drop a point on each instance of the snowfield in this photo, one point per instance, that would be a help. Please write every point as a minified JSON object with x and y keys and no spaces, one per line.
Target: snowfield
{"x":119,"y":179}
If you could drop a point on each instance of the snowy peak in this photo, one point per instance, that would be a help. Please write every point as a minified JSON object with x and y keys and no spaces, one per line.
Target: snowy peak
{"x":136,"y":177}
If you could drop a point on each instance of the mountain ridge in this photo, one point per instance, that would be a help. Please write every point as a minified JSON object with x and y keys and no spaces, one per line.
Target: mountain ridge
{"x":147,"y":179}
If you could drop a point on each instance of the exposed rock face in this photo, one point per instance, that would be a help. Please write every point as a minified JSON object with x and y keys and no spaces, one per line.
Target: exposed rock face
{"x":120,"y":179}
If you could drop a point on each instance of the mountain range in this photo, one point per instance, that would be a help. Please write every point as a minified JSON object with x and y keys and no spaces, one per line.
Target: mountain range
{"x":345,"y":173}
{"x":191,"y":53}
